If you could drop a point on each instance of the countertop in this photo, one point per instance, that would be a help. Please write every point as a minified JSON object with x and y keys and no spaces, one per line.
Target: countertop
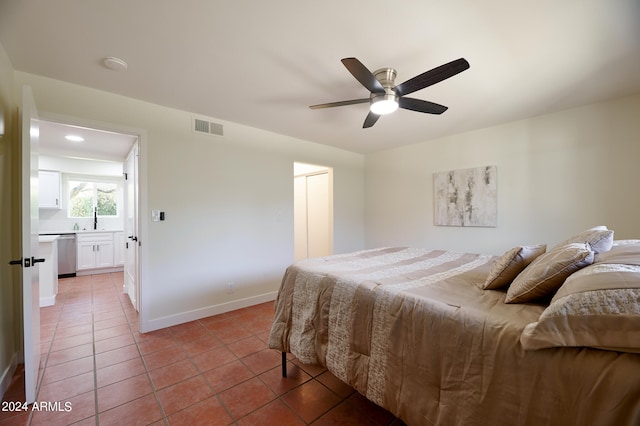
{"x":79,"y":231}
{"x":47,"y":238}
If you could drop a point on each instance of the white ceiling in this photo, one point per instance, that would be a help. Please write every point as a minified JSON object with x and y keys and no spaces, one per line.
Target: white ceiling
{"x":97,"y":144}
{"x":263,"y":63}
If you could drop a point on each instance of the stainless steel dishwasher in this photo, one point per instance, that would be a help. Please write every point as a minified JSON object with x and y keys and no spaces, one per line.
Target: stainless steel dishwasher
{"x":67,"y":255}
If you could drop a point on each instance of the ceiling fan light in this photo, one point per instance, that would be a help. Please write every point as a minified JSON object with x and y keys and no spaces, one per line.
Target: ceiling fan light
{"x":384,"y":105}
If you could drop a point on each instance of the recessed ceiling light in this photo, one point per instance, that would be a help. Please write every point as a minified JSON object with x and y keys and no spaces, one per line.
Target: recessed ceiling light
{"x":115,"y":64}
{"x":74,"y":138}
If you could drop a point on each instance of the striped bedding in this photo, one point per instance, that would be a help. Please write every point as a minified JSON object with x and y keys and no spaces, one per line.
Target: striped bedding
{"x":413,"y":331}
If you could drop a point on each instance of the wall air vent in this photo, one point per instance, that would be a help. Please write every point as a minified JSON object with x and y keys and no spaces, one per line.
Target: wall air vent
{"x":207,"y":127}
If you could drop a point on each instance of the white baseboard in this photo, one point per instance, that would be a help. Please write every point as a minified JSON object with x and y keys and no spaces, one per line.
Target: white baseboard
{"x":170,"y":320}
{"x":7,"y":375}
{"x":84,"y":272}
{"x":47,"y":301}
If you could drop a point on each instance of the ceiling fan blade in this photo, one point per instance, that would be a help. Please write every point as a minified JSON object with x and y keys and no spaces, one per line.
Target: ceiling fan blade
{"x":421,"y":106}
{"x":370,"y":120}
{"x":431,"y":77}
{"x":340,"y":103}
{"x":363,"y":75}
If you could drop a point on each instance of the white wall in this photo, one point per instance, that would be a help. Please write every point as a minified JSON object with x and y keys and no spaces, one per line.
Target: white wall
{"x":557,"y":174}
{"x":228,"y":201}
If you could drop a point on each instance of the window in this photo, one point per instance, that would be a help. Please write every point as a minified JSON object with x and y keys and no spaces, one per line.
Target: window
{"x":85,"y":195}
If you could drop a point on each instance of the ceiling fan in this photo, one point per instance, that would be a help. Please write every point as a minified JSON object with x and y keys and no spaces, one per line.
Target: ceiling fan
{"x":386,"y":97}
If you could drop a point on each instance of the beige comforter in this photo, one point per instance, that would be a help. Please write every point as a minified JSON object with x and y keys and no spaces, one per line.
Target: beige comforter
{"x":413,"y":331}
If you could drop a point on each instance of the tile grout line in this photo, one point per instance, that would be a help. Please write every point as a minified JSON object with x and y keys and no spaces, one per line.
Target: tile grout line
{"x":146,"y":369}
{"x":44,"y":365}
{"x":95,"y":366}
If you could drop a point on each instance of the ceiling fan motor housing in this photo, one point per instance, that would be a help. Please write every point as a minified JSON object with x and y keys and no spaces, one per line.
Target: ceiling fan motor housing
{"x":386,"y":77}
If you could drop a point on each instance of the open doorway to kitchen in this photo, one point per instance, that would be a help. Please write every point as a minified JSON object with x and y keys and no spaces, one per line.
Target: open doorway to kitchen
{"x":96,"y":167}
{"x":313,"y":210}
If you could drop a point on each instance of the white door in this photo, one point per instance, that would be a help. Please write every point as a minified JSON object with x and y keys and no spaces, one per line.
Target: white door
{"x":318,"y":216}
{"x":313,"y":211}
{"x":30,"y":269}
{"x":131,"y":228}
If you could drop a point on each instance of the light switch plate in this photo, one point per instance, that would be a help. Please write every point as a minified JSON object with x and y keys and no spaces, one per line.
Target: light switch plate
{"x":155,"y":215}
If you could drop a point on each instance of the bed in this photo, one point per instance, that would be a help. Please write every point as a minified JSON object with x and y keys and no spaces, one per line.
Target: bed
{"x":445,"y":338}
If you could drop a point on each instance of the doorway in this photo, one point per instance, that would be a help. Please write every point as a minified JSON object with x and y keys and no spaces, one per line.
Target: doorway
{"x":108,"y":152}
{"x":313,"y":210}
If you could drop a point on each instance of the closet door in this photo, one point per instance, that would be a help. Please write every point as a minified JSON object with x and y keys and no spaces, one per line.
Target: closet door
{"x":300,"y":217}
{"x":318,"y":219}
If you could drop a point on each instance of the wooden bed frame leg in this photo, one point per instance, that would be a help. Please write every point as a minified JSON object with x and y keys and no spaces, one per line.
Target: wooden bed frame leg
{"x":284,"y":364}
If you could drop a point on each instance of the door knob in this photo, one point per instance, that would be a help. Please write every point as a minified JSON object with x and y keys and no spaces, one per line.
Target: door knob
{"x":34,"y":260}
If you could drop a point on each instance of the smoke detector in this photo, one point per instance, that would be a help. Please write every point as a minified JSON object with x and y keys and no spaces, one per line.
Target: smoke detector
{"x":115,"y":64}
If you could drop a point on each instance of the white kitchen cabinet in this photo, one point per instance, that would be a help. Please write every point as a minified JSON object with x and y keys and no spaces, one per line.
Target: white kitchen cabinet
{"x":95,"y":250}
{"x":49,"y":196}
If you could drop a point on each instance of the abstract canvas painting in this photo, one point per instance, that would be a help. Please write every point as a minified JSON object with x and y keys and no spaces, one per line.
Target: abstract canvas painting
{"x":466,"y":197}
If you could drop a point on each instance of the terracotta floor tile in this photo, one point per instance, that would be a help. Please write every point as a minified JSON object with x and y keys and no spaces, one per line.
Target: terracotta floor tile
{"x":141,"y":411}
{"x":46,"y":331}
{"x":118,"y":319}
{"x":311,"y":400}
{"x":216,"y":370}
{"x":264,"y":337}
{"x":69,"y":342}
{"x":203,"y":344}
{"x":258,"y":325}
{"x":339,"y":387}
{"x":111,"y":332}
{"x":281,"y":385}
{"x":122,"y":392}
{"x":69,"y":354}
{"x":13,"y":418}
{"x":173,"y":373}
{"x":156,"y":334}
{"x":262,"y":361}
{"x":185,"y":327}
{"x":108,"y":315}
{"x":205,"y":413}
{"x":114,"y":343}
{"x":312,"y":369}
{"x":184,"y":394}
{"x":66,"y":388}
{"x":164,"y":357}
{"x":226,"y":328}
{"x":213,"y":358}
{"x":273,"y":412}
{"x":120,"y":371}
{"x":104,"y":359}
{"x":153,"y":344}
{"x":69,"y":411}
{"x":68,"y":369}
{"x":186,"y":335}
{"x":227,"y":376}
{"x":75,"y":330}
{"x":246,"y":397}
{"x":247,"y":346}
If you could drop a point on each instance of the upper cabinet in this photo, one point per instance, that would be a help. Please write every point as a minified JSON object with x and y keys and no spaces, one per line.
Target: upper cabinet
{"x":49,"y":196}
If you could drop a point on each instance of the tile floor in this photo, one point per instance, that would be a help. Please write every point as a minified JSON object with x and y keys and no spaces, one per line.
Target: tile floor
{"x":214,"y":371}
